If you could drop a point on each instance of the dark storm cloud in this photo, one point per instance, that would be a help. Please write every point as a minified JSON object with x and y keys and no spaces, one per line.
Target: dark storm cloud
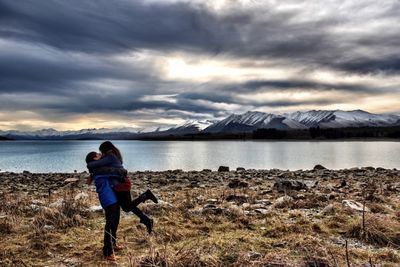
{"x":113,"y":27}
{"x":59,"y":57}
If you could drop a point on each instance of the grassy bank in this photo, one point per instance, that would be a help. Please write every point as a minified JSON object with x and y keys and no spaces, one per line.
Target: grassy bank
{"x":236,"y":218}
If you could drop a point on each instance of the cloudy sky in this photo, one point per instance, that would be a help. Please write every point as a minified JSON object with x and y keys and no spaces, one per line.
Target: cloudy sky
{"x":83,"y":64}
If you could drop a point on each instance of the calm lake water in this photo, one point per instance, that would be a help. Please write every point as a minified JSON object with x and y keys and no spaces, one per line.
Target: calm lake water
{"x":67,"y":156}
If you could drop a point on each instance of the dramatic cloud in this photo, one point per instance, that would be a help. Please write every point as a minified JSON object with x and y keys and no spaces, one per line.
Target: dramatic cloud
{"x":142,"y":63}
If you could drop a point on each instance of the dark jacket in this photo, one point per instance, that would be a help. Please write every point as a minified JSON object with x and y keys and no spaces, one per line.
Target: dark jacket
{"x":108,"y":165}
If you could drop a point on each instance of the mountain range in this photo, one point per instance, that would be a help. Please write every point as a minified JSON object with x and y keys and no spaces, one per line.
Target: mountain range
{"x":235,"y":123}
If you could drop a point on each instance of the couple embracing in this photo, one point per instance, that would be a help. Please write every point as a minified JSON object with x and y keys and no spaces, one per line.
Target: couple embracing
{"x":113,"y":188}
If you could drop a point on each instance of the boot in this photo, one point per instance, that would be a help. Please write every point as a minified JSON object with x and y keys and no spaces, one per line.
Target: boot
{"x":148,"y":195}
{"x":148,"y":222}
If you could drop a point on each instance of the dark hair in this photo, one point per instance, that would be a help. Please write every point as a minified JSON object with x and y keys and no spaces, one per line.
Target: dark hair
{"x":90,"y":157}
{"x":108,"y":147}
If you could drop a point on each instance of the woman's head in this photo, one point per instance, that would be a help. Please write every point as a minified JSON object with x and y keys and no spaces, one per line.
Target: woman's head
{"x":108,"y":148}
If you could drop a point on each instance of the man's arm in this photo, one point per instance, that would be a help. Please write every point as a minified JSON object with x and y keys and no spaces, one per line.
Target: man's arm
{"x":100,"y":163}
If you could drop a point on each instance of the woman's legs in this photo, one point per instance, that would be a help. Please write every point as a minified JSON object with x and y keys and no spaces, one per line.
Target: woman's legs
{"x":112,"y":213}
{"x":127,"y":205}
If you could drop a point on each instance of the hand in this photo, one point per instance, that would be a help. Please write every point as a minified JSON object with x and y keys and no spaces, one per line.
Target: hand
{"x":89,"y":180}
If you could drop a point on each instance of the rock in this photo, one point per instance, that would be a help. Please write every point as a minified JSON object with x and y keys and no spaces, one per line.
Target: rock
{"x":223,"y":169}
{"x":206,"y":170}
{"x":343,"y":183}
{"x":264,"y":202}
{"x":253,"y":255}
{"x":319,"y":167}
{"x":238,"y":169}
{"x":261,"y":211}
{"x":211,"y":200}
{"x":56,"y":204}
{"x":95,"y":209}
{"x":212,"y":209}
{"x":81,"y":195}
{"x":354,"y":205}
{"x":283,"y":202}
{"x":285,"y":185}
{"x":237,"y":198}
{"x":48,"y":227}
{"x":71,"y":180}
{"x":328,"y":210}
{"x":236,"y":183}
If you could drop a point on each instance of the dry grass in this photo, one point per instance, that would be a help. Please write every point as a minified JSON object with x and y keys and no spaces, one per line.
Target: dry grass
{"x":184,"y":235}
{"x":379,"y":230}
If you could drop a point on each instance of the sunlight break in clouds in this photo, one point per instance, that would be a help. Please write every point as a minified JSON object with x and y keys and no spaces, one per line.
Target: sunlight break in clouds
{"x":68,"y":65}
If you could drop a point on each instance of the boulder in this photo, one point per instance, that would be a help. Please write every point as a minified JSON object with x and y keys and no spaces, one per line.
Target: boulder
{"x":223,"y":169}
{"x":283,"y":202}
{"x":261,"y":211}
{"x":237,"y":198}
{"x":236,"y":183}
{"x":238,"y":169}
{"x":319,"y":167}
{"x":328,"y":210}
{"x":286,"y":185}
{"x":95,"y":209}
{"x":354,"y":205}
{"x":212,"y":209}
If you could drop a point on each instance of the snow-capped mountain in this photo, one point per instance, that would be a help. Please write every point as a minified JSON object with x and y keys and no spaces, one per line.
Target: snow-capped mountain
{"x":251,"y":121}
{"x":79,"y":134}
{"x":235,"y":123}
{"x":340,"y":118}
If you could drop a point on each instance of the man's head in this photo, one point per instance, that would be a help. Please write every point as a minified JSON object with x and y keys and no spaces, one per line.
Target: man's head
{"x":92,"y":156}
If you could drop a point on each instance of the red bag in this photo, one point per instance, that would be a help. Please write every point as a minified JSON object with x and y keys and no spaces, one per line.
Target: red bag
{"x":124,"y":186}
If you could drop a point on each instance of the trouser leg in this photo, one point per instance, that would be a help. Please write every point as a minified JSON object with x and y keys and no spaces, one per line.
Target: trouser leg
{"x":127,"y":204}
{"x":110,"y":229}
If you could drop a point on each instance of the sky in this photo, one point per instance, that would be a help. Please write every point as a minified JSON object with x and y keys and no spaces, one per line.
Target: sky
{"x":78,"y":64}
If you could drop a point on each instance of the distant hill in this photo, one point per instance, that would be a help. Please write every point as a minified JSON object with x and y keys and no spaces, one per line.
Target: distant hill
{"x":233,"y":126}
{"x":3,"y":138}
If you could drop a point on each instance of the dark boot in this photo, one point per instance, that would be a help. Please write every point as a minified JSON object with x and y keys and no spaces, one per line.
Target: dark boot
{"x":148,"y":195}
{"x":148,"y":222}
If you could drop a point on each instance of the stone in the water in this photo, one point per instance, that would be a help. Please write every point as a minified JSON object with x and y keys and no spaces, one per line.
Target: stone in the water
{"x":223,"y":169}
{"x":236,"y":183}
{"x":354,"y":205}
{"x":319,"y":167}
{"x":285,"y":185}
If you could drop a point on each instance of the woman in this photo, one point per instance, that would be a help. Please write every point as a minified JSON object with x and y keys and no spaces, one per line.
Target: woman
{"x":111,"y":162}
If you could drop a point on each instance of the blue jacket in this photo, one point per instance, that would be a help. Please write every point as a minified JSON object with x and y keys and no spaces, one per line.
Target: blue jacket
{"x":106,"y":194}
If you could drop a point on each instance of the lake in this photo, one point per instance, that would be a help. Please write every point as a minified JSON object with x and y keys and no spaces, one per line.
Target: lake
{"x":67,"y":156}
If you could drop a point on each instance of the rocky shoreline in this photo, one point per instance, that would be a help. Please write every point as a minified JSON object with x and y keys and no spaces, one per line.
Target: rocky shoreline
{"x":43,"y":182}
{"x":271,"y":216}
